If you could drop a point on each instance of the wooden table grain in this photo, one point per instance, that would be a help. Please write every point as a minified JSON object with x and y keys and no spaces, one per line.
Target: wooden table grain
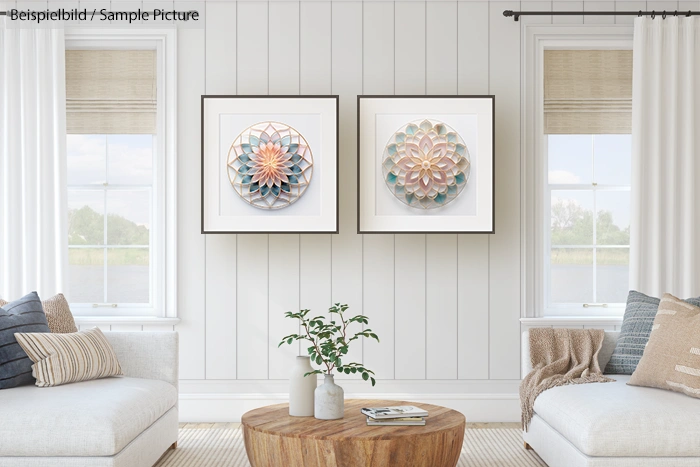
{"x":274,"y":439}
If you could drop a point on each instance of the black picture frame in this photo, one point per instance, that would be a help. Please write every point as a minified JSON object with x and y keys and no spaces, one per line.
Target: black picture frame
{"x":360,"y":98}
{"x":204,"y":97}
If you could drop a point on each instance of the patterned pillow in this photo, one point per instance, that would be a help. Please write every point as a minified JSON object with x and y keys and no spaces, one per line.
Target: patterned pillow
{"x":634,"y":335}
{"x":672,"y":357}
{"x":57,"y":312}
{"x":69,"y":358}
{"x":23,"y":315}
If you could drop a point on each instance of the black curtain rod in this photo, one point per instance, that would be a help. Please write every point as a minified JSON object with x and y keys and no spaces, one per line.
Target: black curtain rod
{"x":517,"y":14}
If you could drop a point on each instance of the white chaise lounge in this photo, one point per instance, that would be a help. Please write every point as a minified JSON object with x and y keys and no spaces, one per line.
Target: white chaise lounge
{"x":612,"y":424}
{"x":126,"y":421}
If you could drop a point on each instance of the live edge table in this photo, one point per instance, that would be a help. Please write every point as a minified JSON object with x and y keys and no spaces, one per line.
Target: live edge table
{"x":274,"y":439}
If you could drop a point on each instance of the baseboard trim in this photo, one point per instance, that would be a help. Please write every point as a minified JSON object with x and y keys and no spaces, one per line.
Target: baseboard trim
{"x":228,"y":407}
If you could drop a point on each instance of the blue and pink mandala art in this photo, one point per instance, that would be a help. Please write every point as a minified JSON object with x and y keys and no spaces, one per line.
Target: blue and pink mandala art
{"x":426,"y":164}
{"x":270,"y":165}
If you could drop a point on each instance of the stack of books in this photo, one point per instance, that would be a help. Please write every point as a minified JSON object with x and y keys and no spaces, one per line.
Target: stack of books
{"x":403,"y":415}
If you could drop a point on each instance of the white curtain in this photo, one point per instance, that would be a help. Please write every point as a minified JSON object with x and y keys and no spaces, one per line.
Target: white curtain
{"x":665,"y":228}
{"x":33,"y":217}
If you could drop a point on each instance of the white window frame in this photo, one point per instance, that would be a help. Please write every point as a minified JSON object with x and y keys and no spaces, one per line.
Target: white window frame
{"x":164,"y":233}
{"x":534,"y":175}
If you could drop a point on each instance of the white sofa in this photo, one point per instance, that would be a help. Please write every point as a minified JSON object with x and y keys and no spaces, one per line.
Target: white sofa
{"x":612,"y":424}
{"x":125,"y":421}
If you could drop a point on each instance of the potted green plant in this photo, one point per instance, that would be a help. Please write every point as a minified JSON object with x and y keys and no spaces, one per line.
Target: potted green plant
{"x":330,"y":341}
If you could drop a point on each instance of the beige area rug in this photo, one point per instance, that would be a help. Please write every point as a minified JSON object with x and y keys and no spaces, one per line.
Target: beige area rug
{"x":223,"y":447}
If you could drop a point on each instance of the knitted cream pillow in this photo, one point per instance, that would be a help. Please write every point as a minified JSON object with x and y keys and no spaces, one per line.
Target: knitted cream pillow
{"x":671,"y":359}
{"x":57,"y":313}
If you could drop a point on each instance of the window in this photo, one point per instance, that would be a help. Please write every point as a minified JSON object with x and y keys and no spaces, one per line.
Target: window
{"x":120,"y":173}
{"x":585,"y":154}
{"x":588,"y":195}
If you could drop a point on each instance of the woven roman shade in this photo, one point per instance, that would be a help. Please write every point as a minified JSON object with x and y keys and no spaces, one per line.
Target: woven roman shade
{"x":588,"y":91}
{"x":111,"y":91}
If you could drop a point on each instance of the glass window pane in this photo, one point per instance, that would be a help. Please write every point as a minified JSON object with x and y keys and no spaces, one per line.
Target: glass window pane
{"x":572,"y":217}
{"x":612,"y":275}
{"x":86,"y":217}
{"x":86,"y":275}
{"x":571,"y":275}
{"x":128,"y":275}
{"x":570,"y":159}
{"x":130,"y":160}
{"x":86,"y":159}
{"x":613,"y":159}
{"x":128,"y":217}
{"x":613,"y":218}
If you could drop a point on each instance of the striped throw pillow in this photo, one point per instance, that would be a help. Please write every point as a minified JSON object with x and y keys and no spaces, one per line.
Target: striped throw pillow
{"x":23,"y":315}
{"x":69,"y":358}
{"x":671,"y":359}
{"x":58,"y":313}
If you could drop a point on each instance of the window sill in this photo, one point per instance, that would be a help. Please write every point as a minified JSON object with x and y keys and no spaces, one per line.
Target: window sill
{"x":572,"y":321}
{"x":138,"y":320}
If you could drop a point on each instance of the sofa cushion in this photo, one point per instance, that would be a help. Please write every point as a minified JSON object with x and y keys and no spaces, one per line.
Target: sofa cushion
{"x":90,"y":418}
{"x":617,"y":420}
{"x":22,"y":315}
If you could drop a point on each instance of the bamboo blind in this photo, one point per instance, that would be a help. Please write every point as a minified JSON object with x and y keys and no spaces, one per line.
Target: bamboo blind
{"x":111,"y":91}
{"x":587,"y":91}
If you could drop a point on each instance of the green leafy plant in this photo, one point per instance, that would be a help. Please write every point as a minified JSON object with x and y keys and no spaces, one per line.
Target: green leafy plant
{"x":330,"y":340}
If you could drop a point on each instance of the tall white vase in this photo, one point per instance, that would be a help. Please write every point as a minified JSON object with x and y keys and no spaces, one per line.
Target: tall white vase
{"x":329,"y":400}
{"x":301,"y":389}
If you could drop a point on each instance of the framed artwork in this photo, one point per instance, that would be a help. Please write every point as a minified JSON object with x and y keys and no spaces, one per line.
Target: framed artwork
{"x":425,"y":164}
{"x":269,"y":164}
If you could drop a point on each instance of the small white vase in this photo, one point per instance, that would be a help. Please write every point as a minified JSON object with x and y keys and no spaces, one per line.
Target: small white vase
{"x":301,"y":389}
{"x":329,"y":400}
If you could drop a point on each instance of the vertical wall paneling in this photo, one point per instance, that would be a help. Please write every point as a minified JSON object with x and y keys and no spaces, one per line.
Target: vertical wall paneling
{"x":473,"y":250}
{"x":441,"y":250}
{"x":504,"y":249}
{"x":252,"y":305}
{"x":598,"y":6}
{"x":220,"y":283}
{"x":315,"y":27}
{"x":315,"y":57}
{"x":346,"y":76}
{"x":252,"y":250}
{"x":567,"y":6}
{"x":283,"y":60}
{"x":252,"y":47}
{"x":410,"y":253}
{"x":378,"y":250}
{"x":283,"y":254}
{"x":410,"y":48}
{"x":190,"y":249}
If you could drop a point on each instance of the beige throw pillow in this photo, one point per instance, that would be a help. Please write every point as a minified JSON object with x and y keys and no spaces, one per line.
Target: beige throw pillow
{"x":68,"y":358}
{"x":671,"y":359}
{"x":57,"y":312}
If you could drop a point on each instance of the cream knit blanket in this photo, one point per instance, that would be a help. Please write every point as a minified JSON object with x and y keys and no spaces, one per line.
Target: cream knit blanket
{"x":560,"y":357}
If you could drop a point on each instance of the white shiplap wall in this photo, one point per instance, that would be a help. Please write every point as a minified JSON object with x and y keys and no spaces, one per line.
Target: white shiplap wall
{"x":447,"y":307}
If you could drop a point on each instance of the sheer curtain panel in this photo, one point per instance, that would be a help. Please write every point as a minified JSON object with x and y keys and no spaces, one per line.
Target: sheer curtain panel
{"x":665,"y":222}
{"x":33,"y":217}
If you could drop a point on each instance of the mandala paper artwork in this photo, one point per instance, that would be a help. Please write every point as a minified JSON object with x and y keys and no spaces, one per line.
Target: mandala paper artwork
{"x":426,"y":164}
{"x":270,"y":165}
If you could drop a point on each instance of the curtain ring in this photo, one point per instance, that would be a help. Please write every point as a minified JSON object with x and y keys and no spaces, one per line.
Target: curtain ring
{"x":640,"y":14}
{"x":675,"y":13}
{"x":688,"y":15}
{"x":653,"y":14}
{"x":664,"y":15}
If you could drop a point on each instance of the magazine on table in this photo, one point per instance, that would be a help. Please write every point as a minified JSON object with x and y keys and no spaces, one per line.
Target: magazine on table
{"x":412,"y":421}
{"x":400,"y":411}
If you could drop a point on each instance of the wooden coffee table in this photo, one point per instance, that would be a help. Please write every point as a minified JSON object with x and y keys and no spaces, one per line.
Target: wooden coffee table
{"x":274,"y":439}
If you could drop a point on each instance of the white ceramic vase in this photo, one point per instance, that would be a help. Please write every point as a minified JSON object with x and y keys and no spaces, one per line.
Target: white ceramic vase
{"x":329,"y":400}
{"x":301,"y":389}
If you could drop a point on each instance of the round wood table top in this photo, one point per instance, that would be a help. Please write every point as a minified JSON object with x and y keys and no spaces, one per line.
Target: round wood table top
{"x":275,"y":420}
